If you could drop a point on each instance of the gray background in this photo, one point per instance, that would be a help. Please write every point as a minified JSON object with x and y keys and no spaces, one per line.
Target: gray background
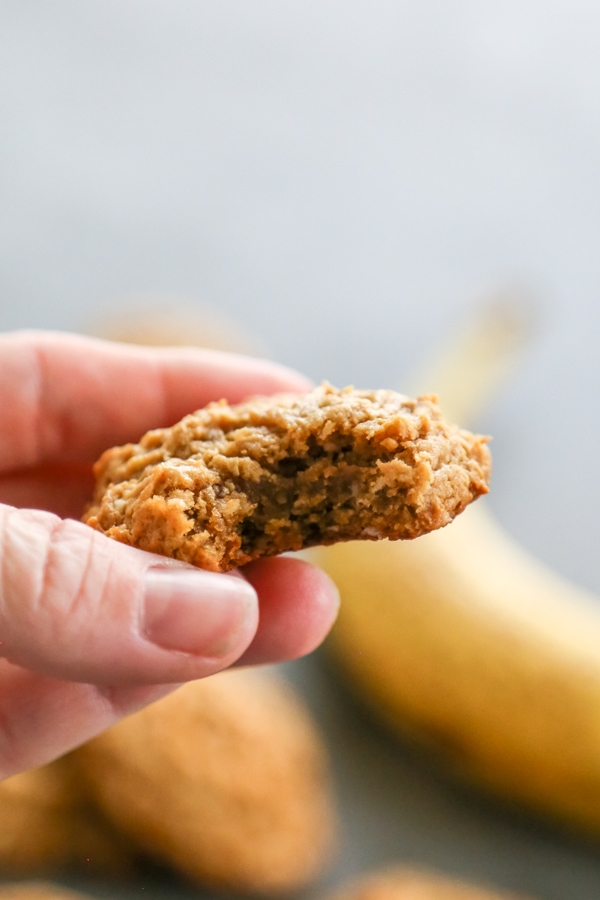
{"x":348,"y":180}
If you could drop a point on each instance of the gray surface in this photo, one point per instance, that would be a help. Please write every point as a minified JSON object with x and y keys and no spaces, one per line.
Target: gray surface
{"x":396,"y":806}
{"x":346,"y":179}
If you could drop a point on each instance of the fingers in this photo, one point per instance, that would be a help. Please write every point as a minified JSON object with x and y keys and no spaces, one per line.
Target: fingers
{"x":43,"y":718}
{"x":76,"y":605}
{"x":123,"y":627}
{"x":298,"y":606}
{"x":69,"y":397}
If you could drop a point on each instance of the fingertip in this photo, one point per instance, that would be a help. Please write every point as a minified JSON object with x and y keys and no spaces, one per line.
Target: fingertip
{"x":298,"y":606}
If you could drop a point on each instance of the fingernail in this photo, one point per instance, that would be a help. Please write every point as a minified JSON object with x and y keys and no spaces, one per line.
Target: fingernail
{"x":197,"y":612}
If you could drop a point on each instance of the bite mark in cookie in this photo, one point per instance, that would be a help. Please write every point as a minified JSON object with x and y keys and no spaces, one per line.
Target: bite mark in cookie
{"x":229,"y":484}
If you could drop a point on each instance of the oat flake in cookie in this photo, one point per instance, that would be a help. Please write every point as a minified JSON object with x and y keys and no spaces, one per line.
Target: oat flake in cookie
{"x":229,"y":484}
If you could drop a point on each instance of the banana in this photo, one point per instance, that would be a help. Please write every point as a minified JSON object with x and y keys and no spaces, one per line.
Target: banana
{"x":470,"y":644}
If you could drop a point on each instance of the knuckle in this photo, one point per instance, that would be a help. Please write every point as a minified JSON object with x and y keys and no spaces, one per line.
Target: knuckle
{"x":43,"y":566}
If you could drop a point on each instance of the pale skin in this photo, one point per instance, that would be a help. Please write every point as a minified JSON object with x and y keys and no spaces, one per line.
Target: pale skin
{"x":91,"y":630}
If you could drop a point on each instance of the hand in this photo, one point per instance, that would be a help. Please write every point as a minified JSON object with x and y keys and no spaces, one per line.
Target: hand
{"x":90,"y":629}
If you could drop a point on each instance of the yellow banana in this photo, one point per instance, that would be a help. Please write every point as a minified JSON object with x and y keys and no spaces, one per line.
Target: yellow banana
{"x":466,"y":641}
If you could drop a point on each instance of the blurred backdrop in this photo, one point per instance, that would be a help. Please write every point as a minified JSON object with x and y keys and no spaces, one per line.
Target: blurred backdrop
{"x":347,"y":182}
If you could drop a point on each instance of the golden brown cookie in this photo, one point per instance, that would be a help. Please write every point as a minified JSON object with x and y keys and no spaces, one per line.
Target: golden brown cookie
{"x":412,"y":884}
{"x":229,"y":484}
{"x":226,"y":780}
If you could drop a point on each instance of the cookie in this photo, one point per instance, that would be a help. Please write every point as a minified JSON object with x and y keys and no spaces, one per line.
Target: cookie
{"x":38,"y":890}
{"x":47,"y":828}
{"x":226,"y":781}
{"x":412,"y":884}
{"x":229,"y":484}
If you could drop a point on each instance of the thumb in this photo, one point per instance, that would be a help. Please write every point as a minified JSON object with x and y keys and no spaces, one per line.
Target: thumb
{"x":77,"y":605}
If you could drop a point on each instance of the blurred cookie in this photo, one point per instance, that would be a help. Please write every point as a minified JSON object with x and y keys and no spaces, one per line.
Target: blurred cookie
{"x":412,"y":884}
{"x":226,"y":780}
{"x":156,"y":321}
{"x":38,"y":890}
{"x":47,"y":828}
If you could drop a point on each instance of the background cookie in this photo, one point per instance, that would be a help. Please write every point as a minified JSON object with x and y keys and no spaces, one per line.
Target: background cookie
{"x":226,"y":780}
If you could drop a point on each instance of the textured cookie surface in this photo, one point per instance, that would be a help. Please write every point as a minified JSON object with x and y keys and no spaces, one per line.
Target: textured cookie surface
{"x":229,"y":484}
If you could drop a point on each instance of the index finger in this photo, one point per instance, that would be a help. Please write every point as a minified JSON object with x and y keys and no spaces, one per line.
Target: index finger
{"x":67,"y":397}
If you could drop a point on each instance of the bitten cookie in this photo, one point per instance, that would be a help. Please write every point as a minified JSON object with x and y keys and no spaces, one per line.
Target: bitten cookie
{"x":229,"y":484}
